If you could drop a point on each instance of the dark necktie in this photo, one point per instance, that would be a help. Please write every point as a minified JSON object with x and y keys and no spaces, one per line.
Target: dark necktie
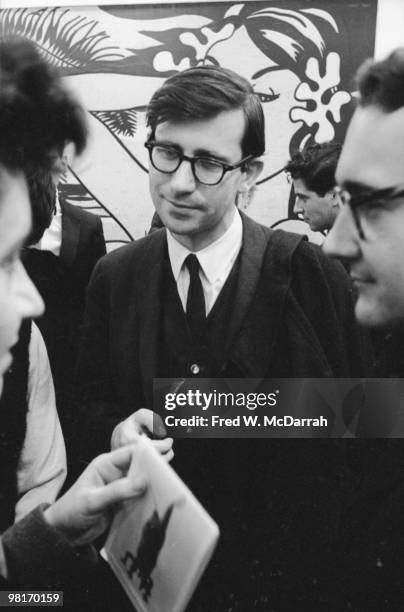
{"x":195,"y":311}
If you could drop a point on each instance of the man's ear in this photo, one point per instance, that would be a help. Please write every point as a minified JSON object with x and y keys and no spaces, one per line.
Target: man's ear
{"x":250,"y":173}
{"x":335,"y":198}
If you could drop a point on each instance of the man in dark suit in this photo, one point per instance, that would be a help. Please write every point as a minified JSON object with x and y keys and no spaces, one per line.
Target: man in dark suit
{"x":216,"y":294}
{"x":60,"y":264}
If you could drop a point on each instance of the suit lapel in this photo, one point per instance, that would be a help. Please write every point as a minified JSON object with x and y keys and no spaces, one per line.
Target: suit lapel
{"x":70,"y":234}
{"x":151,"y":270}
{"x":252,"y":253}
{"x":263,"y":284}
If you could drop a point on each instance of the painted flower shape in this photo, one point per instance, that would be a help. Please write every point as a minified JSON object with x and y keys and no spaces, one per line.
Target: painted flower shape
{"x":322,"y":96}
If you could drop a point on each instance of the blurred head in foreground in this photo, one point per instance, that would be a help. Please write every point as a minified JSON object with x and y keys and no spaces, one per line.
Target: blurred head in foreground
{"x":369,"y":232}
{"x":37,"y":116}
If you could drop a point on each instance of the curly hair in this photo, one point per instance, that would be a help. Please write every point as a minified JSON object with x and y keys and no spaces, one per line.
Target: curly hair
{"x":316,"y":165}
{"x":37,"y":114}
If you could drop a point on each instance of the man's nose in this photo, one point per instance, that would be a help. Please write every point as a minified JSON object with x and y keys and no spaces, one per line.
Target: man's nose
{"x":297,"y":209}
{"x":183,"y":178}
{"x":343,"y":240}
{"x":29,"y":301}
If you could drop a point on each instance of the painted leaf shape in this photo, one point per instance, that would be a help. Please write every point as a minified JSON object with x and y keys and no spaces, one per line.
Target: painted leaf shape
{"x":73,"y":43}
{"x":122,"y":122}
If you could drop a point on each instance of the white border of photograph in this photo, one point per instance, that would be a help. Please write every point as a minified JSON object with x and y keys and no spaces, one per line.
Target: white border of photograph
{"x":85,"y":3}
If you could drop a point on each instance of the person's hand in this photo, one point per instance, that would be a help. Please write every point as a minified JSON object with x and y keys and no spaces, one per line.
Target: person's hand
{"x":84,"y":511}
{"x":147,"y":422}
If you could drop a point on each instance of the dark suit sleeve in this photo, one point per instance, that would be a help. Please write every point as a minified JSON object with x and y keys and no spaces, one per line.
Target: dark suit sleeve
{"x":38,"y":556}
{"x":95,"y":404}
{"x":324,"y":291}
{"x":92,"y":247}
{"x":98,"y":248}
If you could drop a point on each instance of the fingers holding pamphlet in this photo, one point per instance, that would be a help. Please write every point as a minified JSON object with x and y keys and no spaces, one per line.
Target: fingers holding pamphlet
{"x":159,"y":546}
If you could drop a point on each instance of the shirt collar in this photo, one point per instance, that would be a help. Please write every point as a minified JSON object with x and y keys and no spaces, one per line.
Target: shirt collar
{"x":58,"y":209}
{"x":214,"y":258}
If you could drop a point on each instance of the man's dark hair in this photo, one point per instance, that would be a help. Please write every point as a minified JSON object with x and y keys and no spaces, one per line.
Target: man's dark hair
{"x":316,"y":165}
{"x":42,"y":193}
{"x":382,"y":83}
{"x":37,"y":115}
{"x":203,"y":93}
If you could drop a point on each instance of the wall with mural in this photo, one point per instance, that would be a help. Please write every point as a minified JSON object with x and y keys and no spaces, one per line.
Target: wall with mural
{"x":301,"y":57}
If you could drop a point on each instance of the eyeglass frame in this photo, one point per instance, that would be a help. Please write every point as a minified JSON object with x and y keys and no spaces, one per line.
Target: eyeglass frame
{"x":368,"y":197}
{"x":150,"y":144}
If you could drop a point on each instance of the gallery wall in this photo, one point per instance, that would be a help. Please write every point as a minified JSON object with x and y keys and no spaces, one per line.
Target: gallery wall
{"x":300,"y":56}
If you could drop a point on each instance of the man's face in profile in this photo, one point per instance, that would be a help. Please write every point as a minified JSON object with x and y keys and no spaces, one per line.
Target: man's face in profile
{"x":59,"y":166}
{"x":18,"y":296}
{"x":316,"y":210}
{"x":369,"y":232}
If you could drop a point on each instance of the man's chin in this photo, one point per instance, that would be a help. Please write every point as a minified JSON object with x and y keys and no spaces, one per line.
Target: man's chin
{"x":314,"y":227}
{"x":178,"y":222}
{"x":375,"y":315}
{"x":180,"y":229}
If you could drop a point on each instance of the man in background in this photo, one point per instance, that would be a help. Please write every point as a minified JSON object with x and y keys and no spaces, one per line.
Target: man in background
{"x":68,"y":241}
{"x":312,"y":171}
{"x":60,"y":264}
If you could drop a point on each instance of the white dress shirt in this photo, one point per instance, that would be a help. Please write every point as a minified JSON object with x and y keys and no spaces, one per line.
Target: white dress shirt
{"x":52,"y":236}
{"x":215,"y":260}
{"x":42,"y":466}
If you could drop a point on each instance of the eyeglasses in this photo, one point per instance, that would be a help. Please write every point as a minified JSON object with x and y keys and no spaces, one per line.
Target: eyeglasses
{"x":206,"y":170}
{"x":367,"y":205}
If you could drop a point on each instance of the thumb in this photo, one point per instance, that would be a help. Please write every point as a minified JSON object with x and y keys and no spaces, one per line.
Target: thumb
{"x":117,"y":491}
